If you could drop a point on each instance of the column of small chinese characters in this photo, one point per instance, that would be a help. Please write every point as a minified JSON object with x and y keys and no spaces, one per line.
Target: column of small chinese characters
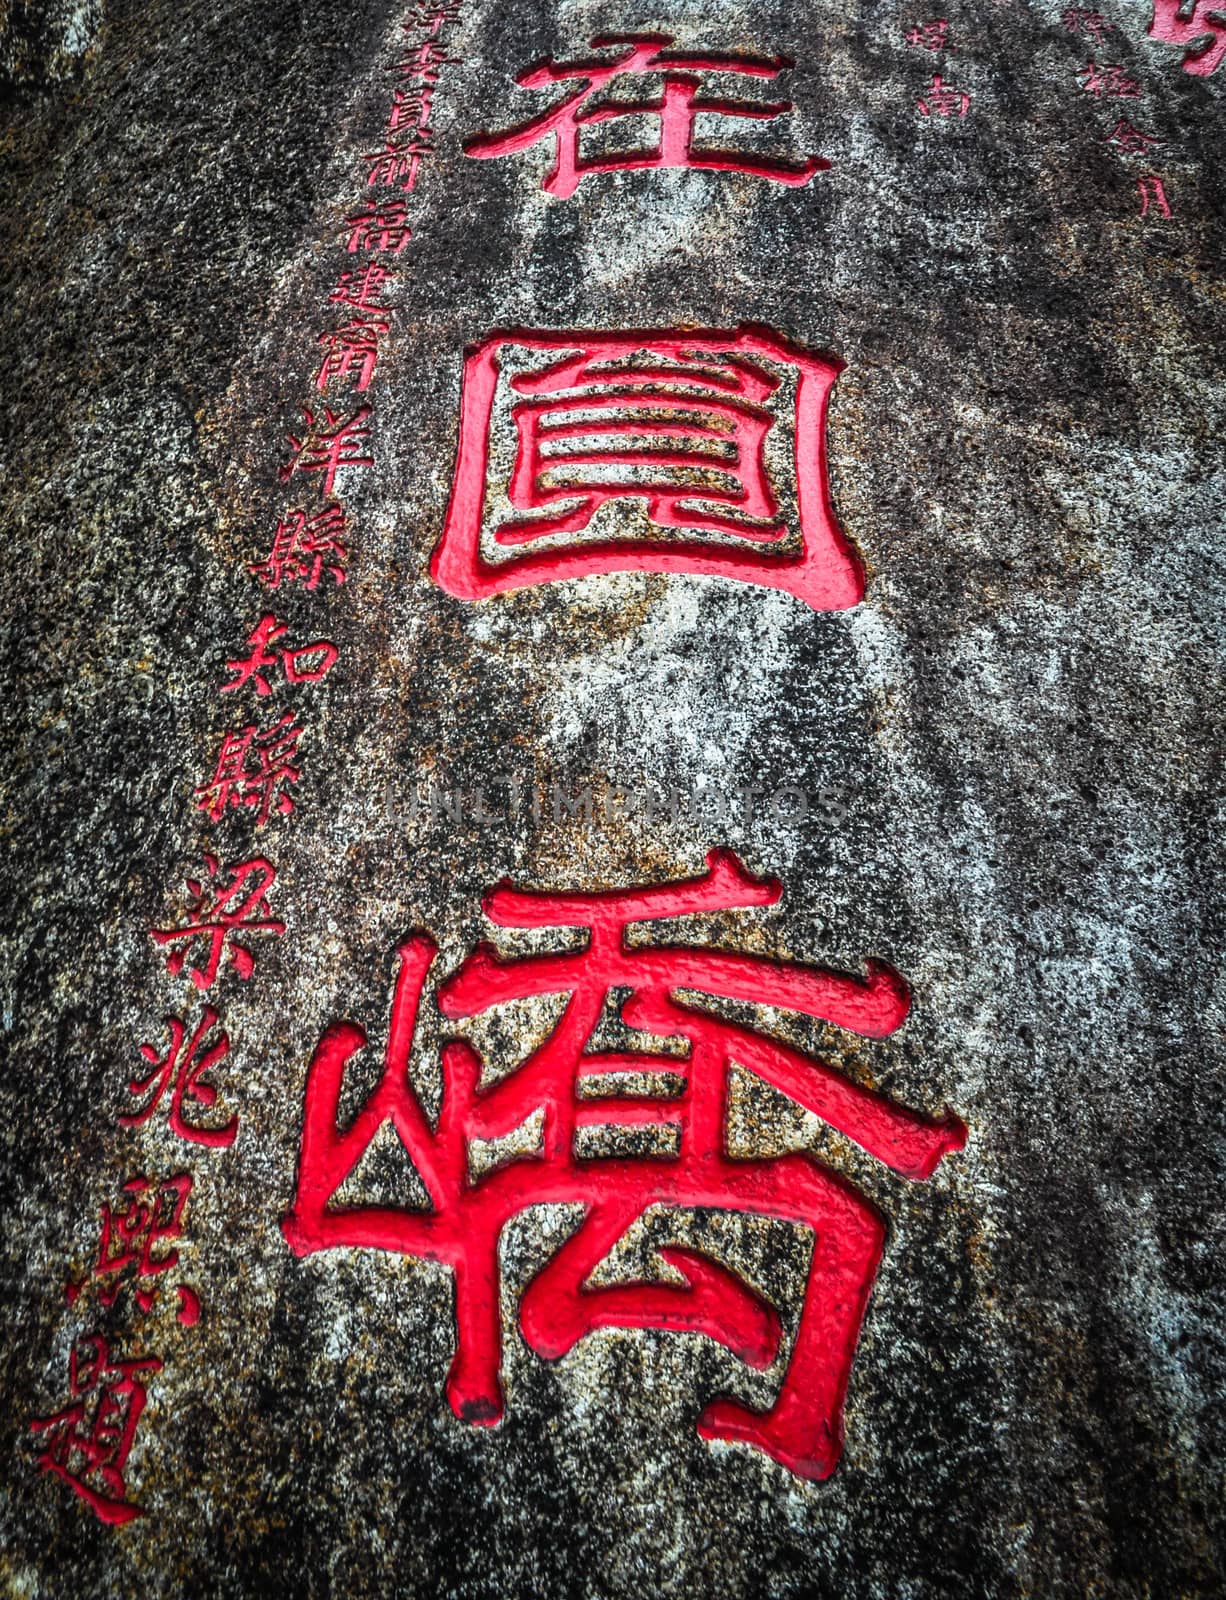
{"x":940,"y":99}
{"x":1112,"y":87}
{"x":228,"y":911}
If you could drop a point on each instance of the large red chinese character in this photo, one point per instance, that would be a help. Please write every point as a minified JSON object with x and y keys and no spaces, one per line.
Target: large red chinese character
{"x":304,"y":544}
{"x":218,"y":914}
{"x":680,"y":100}
{"x":254,"y":765}
{"x":186,"y":1067}
{"x":89,"y":1441}
{"x":686,"y":1093}
{"x":679,"y":420}
{"x":1173,"y":23}
{"x":132,"y":1234}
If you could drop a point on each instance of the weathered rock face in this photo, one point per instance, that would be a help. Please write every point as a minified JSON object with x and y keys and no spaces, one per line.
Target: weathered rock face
{"x":1003,"y":753}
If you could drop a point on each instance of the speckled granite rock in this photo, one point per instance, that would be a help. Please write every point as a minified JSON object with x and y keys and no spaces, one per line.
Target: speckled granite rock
{"x":1014,"y":736}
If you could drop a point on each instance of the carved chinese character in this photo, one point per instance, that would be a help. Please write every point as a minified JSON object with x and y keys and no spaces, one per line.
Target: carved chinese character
{"x":943,"y":100}
{"x":678,"y":102}
{"x":677,"y":422}
{"x":1111,"y":81}
{"x":684,"y":1092}
{"x":1078,"y":20}
{"x":930,"y":36}
{"x":359,"y":288}
{"x":1202,"y":28}
{"x":219,"y":913}
{"x":133,"y":1236}
{"x":306,"y":544}
{"x":328,"y":445}
{"x":1153,"y":193}
{"x":87,"y":1444}
{"x":254,"y":768}
{"x":308,"y":663}
{"x":185,"y":1064}
{"x":1129,"y":140}
{"x":383,"y":229}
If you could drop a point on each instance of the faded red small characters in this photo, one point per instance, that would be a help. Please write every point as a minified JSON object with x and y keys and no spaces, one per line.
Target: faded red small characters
{"x":305,"y":545}
{"x":679,"y":420}
{"x":687,"y":1094}
{"x":186,"y":1068}
{"x":679,"y":102}
{"x":1130,"y":141}
{"x":308,"y":663}
{"x":254,"y":766}
{"x":1079,"y":20}
{"x":1152,"y":193}
{"x":132,"y":1234}
{"x":87,"y":1444}
{"x":219,"y":914}
{"x":1111,"y":81}
{"x":1202,"y":28}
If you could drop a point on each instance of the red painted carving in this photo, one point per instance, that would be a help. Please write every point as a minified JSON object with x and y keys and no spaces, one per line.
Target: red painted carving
{"x":1111,"y":81}
{"x":307,"y":664}
{"x":679,"y":101}
{"x":930,"y":36}
{"x":803,"y":1429}
{"x":943,"y":100}
{"x":88,"y":1442}
{"x":411,"y":107}
{"x":186,"y":1069}
{"x":329,"y":446}
{"x":680,"y":420}
{"x":1078,"y":20}
{"x":359,"y":288}
{"x":253,"y":768}
{"x":306,"y":544}
{"x":352,"y":352}
{"x":1131,"y":141}
{"x":381,"y":229}
{"x":397,"y":164}
{"x":1153,"y":193}
{"x":1202,"y":28}
{"x":132,"y":1235}
{"x":219,"y":913}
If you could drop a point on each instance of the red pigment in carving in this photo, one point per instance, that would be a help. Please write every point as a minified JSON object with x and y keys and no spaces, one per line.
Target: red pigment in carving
{"x":1078,"y":20}
{"x":186,"y":1069}
{"x":329,"y":446}
{"x":1111,"y":81}
{"x":1129,"y":140}
{"x":352,"y":353}
{"x":383,"y":229}
{"x":88,"y":1442}
{"x":678,"y":420}
{"x":930,"y":35}
{"x":253,"y":768}
{"x":132,"y":1234}
{"x":305,"y":545}
{"x":358,"y":289}
{"x":306,"y":664}
{"x":219,"y":914}
{"x":1202,"y":29}
{"x":943,"y":100}
{"x":803,"y":1429}
{"x":1153,"y":193}
{"x":679,"y":101}
{"x":189,"y":1306}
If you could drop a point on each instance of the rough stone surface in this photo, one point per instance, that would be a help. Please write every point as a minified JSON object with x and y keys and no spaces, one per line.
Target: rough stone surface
{"x":1025,"y":447}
